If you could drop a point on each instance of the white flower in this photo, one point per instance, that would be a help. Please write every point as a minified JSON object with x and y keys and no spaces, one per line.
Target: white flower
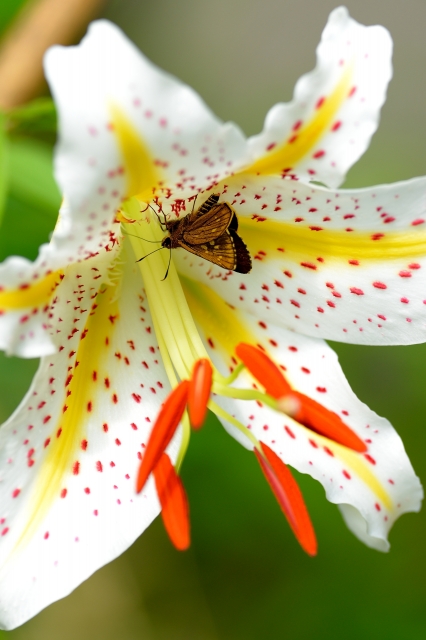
{"x":115,"y":337}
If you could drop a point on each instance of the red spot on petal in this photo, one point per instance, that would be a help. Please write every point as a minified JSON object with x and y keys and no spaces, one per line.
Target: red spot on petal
{"x":290,"y":432}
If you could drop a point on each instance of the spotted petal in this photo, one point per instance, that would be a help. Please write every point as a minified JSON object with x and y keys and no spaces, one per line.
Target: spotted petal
{"x":128,"y":128}
{"x":346,"y":265}
{"x":335,"y":109}
{"x":376,"y":487}
{"x":69,"y":455}
{"x":27,"y":289}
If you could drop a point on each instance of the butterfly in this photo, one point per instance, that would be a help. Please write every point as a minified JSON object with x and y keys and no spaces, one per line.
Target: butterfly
{"x":210,"y":232}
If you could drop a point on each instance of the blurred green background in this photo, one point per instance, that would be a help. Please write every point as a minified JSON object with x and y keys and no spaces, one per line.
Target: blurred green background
{"x":244,"y":576}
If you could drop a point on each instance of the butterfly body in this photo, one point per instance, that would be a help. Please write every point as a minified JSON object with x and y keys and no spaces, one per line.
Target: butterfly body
{"x":210,"y":233}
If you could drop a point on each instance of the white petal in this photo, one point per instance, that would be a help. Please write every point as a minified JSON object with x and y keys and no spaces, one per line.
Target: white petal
{"x":342,"y":265}
{"x":381,"y":484}
{"x":188,"y":146}
{"x":335,"y":109}
{"x":27,"y":289}
{"x":69,"y":504}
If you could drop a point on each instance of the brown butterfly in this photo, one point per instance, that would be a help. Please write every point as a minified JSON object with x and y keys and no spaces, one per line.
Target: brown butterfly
{"x":210,"y":233}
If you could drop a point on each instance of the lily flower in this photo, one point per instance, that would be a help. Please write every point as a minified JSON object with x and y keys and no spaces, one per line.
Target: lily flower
{"x":135,"y":348}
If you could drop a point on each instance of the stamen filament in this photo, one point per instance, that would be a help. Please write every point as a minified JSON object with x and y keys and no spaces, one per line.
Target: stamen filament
{"x":246,"y":394}
{"x":186,"y":434}
{"x":221,"y":413}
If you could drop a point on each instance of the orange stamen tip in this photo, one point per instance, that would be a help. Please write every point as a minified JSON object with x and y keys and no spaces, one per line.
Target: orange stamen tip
{"x":174,"y":503}
{"x":263,"y":369}
{"x":199,"y":392}
{"x":289,"y":496}
{"x":320,"y":419}
{"x":163,"y":430}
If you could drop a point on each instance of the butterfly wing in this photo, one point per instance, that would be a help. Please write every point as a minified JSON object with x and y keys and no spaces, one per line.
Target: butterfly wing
{"x":220,"y":251}
{"x":242,"y":253}
{"x":208,"y":226}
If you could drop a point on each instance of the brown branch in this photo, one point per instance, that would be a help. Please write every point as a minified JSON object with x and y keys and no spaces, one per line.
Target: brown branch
{"x":40,"y":25}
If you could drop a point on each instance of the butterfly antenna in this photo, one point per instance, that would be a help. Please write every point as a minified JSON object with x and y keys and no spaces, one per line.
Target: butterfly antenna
{"x":150,"y":254}
{"x":193,"y":204}
{"x":168,"y":266}
{"x":140,"y":238}
{"x":159,"y":219}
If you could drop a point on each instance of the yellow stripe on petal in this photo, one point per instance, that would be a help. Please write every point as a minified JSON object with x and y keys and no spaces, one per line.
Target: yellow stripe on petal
{"x":69,"y":433}
{"x":143,"y":176}
{"x":219,"y":321}
{"x":275,"y":239}
{"x":361,"y":469}
{"x":30,"y":295}
{"x":287,"y":154}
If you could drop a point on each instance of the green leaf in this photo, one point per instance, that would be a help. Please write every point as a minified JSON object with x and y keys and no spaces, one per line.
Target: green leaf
{"x":31,"y":175}
{"x":4,"y":165}
{"x":35,"y":118}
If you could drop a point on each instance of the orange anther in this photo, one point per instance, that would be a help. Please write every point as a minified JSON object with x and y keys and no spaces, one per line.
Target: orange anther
{"x":163,"y":430}
{"x":303,"y":409}
{"x":263,"y":369}
{"x":199,"y":392}
{"x":316,"y":417}
{"x":174,"y":503}
{"x":289,"y":497}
